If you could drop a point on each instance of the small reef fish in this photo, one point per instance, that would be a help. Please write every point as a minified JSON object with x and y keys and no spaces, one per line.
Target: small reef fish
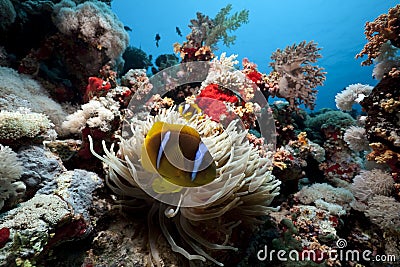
{"x":188,"y":110}
{"x":178,"y":155}
{"x":127,"y":28}
{"x":178,"y":31}
{"x":157,"y":38}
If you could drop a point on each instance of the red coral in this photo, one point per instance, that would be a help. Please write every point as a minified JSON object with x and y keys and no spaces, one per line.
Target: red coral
{"x":96,"y":87}
{"x":213,"y":91}
{"x":189,"y":53}
{"x":250,"y":70}
{"x":4,"y":236}
{"x":212,"y":101}
{"x":255,"y":76}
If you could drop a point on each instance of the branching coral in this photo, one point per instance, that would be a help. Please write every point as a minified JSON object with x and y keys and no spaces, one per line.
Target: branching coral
{"x":384,"y":28}
{"x":206,"y":33}
{"x":95,"y":23}
{"x":353,"y":93}
{"x":243,"y":189}
{"x":10,"y":172}
{"x":223,"y":23}
{"x":297,"y":77}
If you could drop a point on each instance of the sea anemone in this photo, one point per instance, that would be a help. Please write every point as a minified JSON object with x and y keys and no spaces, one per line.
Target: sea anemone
{"x":203,"y":217}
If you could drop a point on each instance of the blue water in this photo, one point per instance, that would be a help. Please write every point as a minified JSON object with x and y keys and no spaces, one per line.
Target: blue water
{"x":337,"y":26}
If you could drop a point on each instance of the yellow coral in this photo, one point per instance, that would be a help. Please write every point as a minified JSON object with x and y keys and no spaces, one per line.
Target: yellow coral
{"x":382,"y":154}
{"x":390,"y":105}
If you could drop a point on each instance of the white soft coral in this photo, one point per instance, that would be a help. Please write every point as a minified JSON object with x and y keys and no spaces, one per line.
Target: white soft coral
{"x":352,"y":94}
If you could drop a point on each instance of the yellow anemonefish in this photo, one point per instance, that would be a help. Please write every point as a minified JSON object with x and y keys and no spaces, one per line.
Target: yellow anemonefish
{"x":178,"y":155}
{"x":188,"y":110}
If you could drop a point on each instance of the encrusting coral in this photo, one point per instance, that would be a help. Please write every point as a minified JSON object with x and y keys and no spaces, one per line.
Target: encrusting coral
{"x":382,"y":123}
{"x":243,"y":189}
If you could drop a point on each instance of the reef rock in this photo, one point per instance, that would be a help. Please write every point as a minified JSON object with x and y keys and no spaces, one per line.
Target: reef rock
{"x":30,"y":227}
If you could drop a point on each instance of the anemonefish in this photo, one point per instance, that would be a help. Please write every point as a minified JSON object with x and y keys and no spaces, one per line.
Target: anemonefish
{"x":178,"y":155}
{"x":188,"y":110}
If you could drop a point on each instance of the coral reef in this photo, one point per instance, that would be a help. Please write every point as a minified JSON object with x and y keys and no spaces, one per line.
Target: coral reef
{"x":107,"y":185}
{"x":382,"y":123}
